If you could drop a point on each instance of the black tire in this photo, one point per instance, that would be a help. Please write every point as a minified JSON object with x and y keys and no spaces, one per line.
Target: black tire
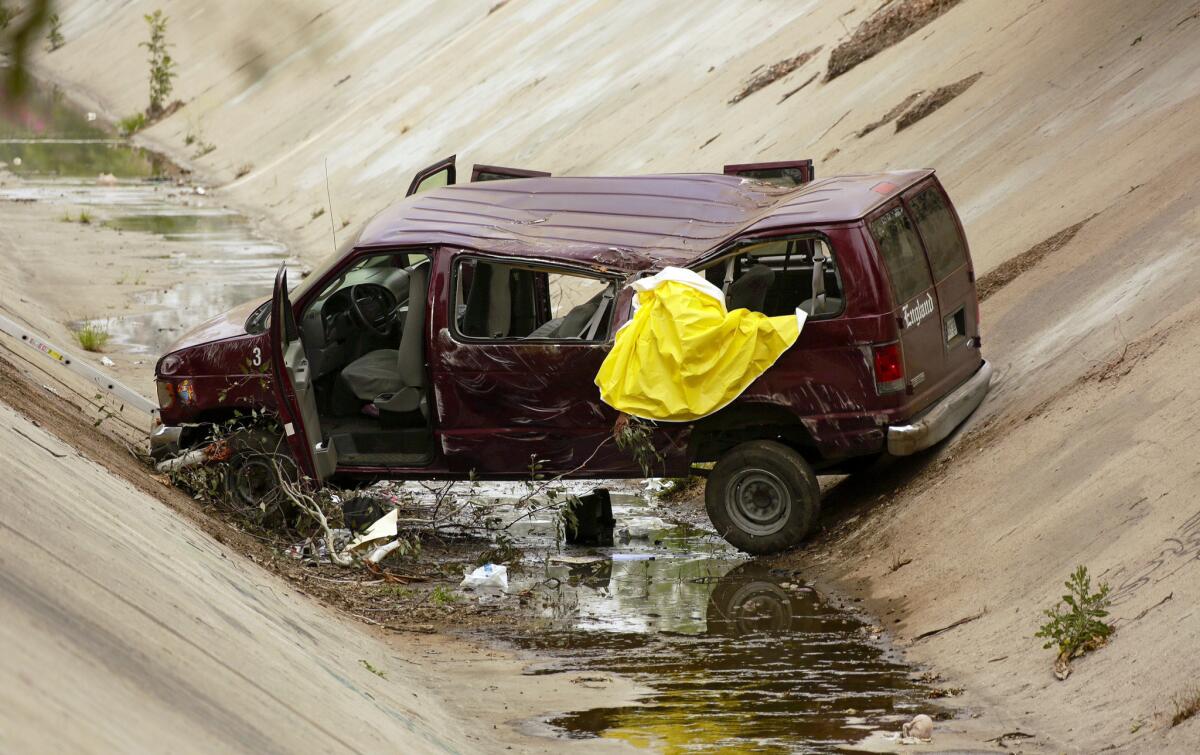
{"x":252,"y":489}
{"x":762,"y":497}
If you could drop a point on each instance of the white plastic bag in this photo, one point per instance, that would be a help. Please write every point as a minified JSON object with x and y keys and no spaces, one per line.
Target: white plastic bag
{"x":488,"y":575}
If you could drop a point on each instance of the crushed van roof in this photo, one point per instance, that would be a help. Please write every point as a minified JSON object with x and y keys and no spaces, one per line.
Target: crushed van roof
{"x":628,"y":223}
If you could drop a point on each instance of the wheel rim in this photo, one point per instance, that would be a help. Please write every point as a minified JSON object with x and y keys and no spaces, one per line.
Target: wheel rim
{"x":758,"y":502}
{"x":760,"y":607}
{"x":254,"y":484}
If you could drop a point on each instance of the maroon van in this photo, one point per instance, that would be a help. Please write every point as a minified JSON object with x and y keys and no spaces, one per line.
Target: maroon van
{"x":459,"y":334}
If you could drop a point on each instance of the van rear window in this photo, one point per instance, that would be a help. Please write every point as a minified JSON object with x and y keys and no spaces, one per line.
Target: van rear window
{"x":945,"y":246}
{"x":901,"y":249}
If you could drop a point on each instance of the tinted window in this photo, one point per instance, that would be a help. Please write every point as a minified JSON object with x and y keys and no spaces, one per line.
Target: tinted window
{"x":901,"y":249}
{"x":942,"y":240}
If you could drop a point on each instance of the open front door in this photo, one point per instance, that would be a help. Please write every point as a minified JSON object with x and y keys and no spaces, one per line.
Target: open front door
{"x":293,"y":388}
{"x":442,"y":173}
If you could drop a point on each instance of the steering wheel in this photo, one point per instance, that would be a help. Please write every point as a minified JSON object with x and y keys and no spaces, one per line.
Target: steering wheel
{"x":373,"y":308}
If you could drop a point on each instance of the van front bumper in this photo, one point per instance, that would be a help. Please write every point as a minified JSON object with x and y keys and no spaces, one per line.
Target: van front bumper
{"x":164,"y":441}
{"x":939,"y":420}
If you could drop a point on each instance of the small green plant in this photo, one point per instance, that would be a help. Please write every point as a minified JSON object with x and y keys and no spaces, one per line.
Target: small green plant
{"x":244,"y":170}
{"x":85,"y":217}
{"x":66,"y":218}
{"x":131,"y":124}
{"x":202,"y":149}
{"x":162,"y":66}
{"x":6,"y":16}
{"x":1076,"y":624}
{"x":367,"y":665}
{"x":443,"y":596}
{"x":1186,"y":706}
{"x":317,"y":213}
{"x":635,"y":438}
{"x":397,"y":591}
{"x":54,"y":37}
{"x":92,"y":335}
{"x":190,"y":139}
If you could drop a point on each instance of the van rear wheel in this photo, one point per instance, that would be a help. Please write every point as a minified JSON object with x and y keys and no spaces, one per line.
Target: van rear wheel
{"x":762,"y":497}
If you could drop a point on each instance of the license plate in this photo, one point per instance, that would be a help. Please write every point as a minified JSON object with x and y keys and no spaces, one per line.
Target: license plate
{"x":951,"y":328}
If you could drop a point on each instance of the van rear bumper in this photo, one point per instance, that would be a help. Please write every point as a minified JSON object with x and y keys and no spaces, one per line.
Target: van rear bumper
{"x":937,"y":422}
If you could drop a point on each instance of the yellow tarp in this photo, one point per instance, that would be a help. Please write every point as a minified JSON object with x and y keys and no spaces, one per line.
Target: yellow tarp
{"x":683,"y":355}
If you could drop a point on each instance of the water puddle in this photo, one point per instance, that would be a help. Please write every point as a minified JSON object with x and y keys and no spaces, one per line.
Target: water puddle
{"x":217,"y":257}
{"x":738,"y":657}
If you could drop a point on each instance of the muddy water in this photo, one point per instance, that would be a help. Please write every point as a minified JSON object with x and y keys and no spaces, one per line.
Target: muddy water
{"x":738,"y":657}
{"x":218,"y":256}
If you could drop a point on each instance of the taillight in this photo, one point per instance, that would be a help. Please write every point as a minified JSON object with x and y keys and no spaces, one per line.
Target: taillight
{"x":889,"y":368}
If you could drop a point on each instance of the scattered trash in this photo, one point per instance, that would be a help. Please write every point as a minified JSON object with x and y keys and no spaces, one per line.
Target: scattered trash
{"x":107,"y":362}
{"x":384,"y":528}
{"x":593,"y":521}
{"x":488,"y":575}
{"x":633,"y":557}
{"x":382,"y":551}
{"x":576,"y":560}
{"x":16,"y":161}
{"x":315,"y":550}
{"x":106,"y":179}
{"x":641,"y":528}
{"x":91,"y":116}
{"x":363,"y":510}
{"x":200,"y":190}
{"x":917,"y":731}
{"x":655,"y":485}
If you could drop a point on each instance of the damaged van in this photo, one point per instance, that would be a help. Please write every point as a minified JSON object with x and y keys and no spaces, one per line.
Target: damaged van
{"x":460,"y":332}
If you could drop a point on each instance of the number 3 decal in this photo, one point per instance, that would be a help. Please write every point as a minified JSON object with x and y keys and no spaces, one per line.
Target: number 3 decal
{"x":257,"y":361}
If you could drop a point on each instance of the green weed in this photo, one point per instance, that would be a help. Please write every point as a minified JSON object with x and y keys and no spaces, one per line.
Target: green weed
{"x":131,"y":124}
{"x":443,"y":596}
{"x":54,"y":37}
{"x":92,"y":335}
{"x":162,"y":66}
{"x":1076,"y":624}
{"x":367,"y":665}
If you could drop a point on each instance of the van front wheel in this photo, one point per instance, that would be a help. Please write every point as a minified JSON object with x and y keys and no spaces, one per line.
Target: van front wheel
{"x":762,"y":497}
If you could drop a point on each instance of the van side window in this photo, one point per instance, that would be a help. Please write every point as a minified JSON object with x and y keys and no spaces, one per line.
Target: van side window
{"x":498,"y":301}
{"x":776,"y":276}
{"x":942,"y":240}
{"x":901,"y":249}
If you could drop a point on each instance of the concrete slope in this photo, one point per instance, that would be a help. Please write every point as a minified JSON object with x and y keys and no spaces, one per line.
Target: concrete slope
{"x":128,"y":629}
{"x":1075,"y":102}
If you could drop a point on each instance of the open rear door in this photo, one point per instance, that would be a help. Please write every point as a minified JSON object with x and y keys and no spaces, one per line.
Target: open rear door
{"x":293,"y":389}
{"x":442,"y":173}
{"x":784,"y":173}
{"x":497,"y":173}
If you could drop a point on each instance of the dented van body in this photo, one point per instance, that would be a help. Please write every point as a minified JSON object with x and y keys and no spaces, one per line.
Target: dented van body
{"x":460,"y":332}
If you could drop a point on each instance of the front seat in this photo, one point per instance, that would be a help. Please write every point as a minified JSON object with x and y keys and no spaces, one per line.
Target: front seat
{"x":394,"y":379}
{"x":749,"y":291}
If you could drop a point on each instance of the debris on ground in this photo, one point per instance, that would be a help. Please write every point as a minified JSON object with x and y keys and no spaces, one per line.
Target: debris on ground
{"x":917,"y":731}
{"x":889,"y":25}
{"x":315,"y":550}
{"x":384,"y":528}
{"x":892,"y":114}
{"x":487,"y":576}
{"x":773,"y":74}
{"x":936,"y":100}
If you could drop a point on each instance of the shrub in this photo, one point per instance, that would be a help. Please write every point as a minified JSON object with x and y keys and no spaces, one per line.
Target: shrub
{"x":1186,"y":706}
{"x":130,"y":125}
{"x":54,"y":37}
{"x":92,"y":335}
{"x":1076,"y":623}
{"x":162,"y":66}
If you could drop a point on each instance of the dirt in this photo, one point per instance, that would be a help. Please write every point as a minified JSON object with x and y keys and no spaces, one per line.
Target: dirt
{"x":1011,"y":269}
{"x":935,"y":101}
{"x":774,"y":73}
{"x":894,"y":22}
{"x":890,"y":115}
